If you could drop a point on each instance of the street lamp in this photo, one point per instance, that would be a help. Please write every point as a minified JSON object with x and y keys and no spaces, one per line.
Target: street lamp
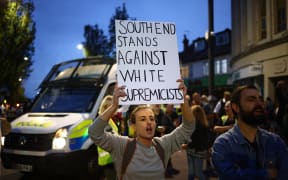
{"x":210,"y":37}
{"x":81,"y":47}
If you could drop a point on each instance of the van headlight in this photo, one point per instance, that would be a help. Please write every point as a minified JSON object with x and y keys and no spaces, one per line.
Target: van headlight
{"x":60,"y":139}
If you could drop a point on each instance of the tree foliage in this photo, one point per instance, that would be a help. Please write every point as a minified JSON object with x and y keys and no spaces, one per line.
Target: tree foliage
{"x":96,"y":43}
{"x":120,"y":14}
{"x":17,"y":34}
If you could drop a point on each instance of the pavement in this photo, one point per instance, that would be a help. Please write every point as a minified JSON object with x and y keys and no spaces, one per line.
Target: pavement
{"x":179,"y":162}
{"x":6,"y":172}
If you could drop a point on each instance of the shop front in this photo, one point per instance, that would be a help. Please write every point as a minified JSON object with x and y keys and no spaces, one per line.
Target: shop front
{"x":200,"y":85}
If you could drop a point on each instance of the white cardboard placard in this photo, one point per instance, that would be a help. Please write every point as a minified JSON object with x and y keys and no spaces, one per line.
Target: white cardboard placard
{"x":148,"y":62}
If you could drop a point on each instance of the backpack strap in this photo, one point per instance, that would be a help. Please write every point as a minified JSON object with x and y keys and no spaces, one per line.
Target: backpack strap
{"x":127,"y":156}
{"x":160,"y":151}
{"x":130,"y":149}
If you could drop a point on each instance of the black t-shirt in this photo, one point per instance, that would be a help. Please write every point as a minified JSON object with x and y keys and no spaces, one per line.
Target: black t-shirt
{"x":200,"y":139}
{"x":163,"y":119}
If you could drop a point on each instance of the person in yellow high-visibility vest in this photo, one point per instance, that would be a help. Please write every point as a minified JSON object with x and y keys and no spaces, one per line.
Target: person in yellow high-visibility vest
{"x":104,"y":158}
{"x":226,"y":121}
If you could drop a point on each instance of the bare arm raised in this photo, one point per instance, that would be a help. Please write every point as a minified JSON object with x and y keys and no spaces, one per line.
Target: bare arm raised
{"x":186,"y":110}
{"x":118,"y":92}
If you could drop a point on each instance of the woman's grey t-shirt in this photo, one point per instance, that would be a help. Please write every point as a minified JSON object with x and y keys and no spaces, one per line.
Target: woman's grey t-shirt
{"x":145,"y":163}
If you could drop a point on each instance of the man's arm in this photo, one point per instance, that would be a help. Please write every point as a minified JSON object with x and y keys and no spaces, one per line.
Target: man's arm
{"x":222,"y":129}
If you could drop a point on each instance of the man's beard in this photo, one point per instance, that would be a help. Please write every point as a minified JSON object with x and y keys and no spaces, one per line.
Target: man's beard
{"x":250,"y":118}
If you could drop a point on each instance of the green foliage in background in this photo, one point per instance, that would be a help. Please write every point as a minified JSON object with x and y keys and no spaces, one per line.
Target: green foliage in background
{"x":17,"y":34}
{"x":96,"y":43}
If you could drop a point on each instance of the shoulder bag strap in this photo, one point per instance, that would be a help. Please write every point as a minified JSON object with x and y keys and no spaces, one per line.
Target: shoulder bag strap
{"x":127,"y":156}
{"x":159,"y":150}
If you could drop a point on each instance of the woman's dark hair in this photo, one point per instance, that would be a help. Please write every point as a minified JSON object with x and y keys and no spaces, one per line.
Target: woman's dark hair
{"x":200,"y":115}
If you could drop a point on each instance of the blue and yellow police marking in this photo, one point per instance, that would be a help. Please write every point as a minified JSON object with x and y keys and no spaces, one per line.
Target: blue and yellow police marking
{"x":79,"y":134}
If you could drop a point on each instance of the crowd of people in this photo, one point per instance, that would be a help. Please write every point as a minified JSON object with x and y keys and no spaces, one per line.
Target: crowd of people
{"x":11,"y":112}
{"x":242,"y":136}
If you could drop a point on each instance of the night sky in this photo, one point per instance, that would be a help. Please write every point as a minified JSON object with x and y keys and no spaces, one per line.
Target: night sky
{"x":60,"y":25}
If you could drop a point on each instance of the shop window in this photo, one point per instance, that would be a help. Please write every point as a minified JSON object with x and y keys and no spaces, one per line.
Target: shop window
{"x":224,"y":66}
{"x":221,"y":66}
{"x":218,"y":67}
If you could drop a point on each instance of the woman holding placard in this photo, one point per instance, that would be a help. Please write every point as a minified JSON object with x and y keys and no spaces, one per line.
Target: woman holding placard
{"x":149,"y":156}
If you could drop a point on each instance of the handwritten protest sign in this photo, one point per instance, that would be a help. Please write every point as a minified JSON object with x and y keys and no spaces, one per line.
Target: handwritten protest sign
{"x":148,"y":62}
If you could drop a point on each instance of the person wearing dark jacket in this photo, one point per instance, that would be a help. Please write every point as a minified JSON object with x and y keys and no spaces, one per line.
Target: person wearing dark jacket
{"x":247,"y":151}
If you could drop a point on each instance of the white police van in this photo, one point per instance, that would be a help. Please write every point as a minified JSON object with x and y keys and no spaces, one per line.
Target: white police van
{"x":53,"y":136}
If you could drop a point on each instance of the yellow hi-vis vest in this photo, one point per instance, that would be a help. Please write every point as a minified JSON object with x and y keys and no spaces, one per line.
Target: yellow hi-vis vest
{"x":104,"y":157}
{"x":224,"y":119}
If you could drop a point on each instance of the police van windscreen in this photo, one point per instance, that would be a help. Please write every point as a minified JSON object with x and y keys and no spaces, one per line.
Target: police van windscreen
{"x":66,"y":99}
